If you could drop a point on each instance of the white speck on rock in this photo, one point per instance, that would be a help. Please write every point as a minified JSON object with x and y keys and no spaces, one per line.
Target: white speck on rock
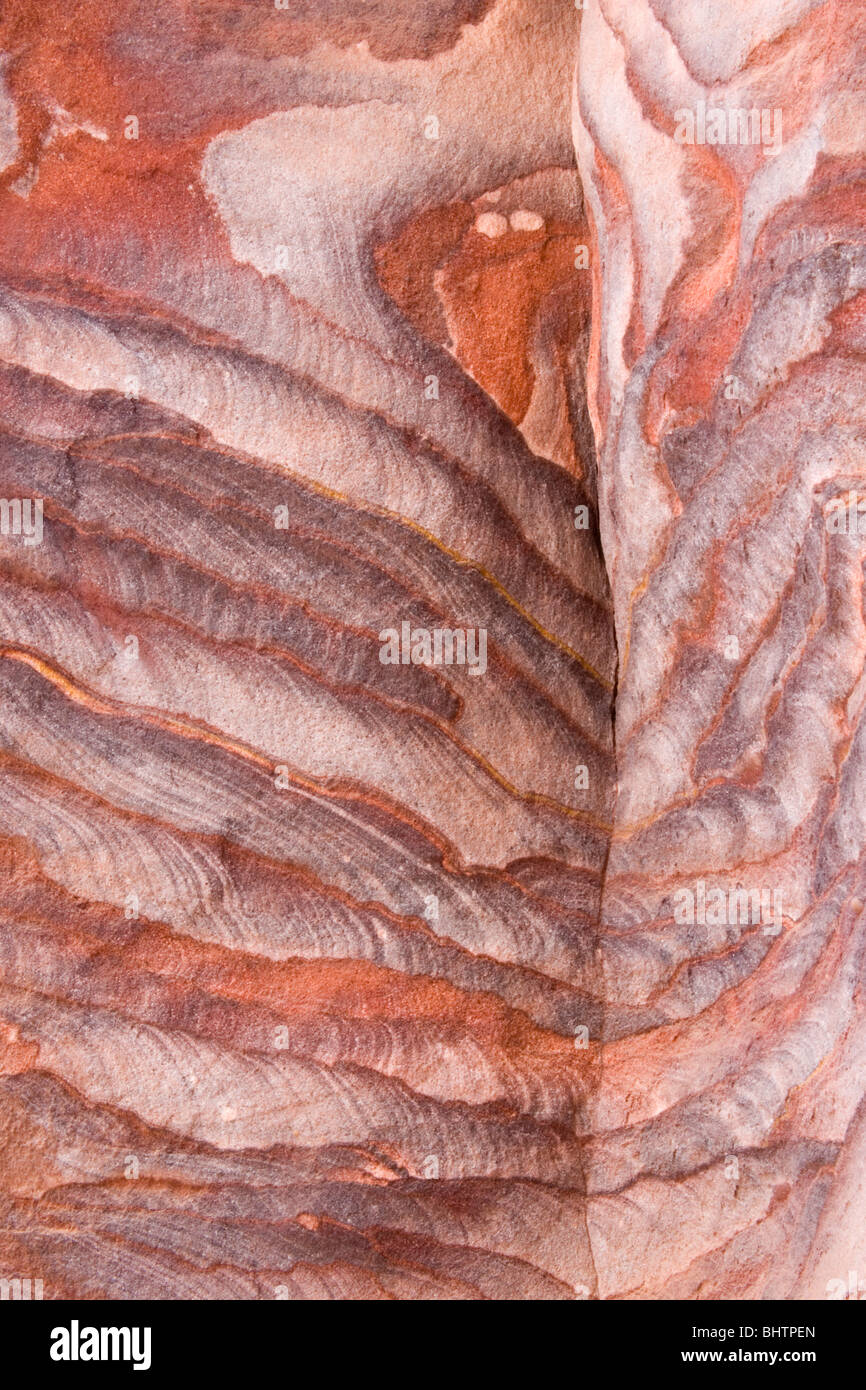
{"x":525,"y":221}
{"x":491,"y":224}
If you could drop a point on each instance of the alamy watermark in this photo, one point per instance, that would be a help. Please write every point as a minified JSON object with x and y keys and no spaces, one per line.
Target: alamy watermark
{"x":76,"y":1343}
{"x":21,"y":1290}
{"x":713,"y":907}
{"x":846,"y":515}
{"x":21,"y":516}
{"x":850,"y":1290}
{"x":732,"y":125}
{"x":438,"y":646}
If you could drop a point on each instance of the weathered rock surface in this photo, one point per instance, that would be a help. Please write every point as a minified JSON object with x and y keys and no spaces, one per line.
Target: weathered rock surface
{"x":323,"y":976}
{"x":726,"y":388}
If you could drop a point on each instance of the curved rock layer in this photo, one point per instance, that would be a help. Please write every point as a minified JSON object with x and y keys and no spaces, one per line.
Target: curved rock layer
{"x":330,"y":969}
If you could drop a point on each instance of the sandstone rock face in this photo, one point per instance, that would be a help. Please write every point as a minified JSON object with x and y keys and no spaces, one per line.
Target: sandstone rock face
{"x":726,"y":389}
{"x":432,"y":649}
